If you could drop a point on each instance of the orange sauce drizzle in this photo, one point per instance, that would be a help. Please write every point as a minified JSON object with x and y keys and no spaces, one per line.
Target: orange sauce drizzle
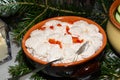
{"x":59,"y":25}
{"x":53,"y":41}
{"x":42,"y":28}
{"x":76,"y":40}
{"x":52,"y":27}
{"x":67,"y":30}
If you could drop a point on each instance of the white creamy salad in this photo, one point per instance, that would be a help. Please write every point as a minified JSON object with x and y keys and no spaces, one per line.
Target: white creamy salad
{"x":57,"y":39}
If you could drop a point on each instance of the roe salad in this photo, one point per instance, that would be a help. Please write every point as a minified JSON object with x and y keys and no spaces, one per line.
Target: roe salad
{"x":57,"y":39}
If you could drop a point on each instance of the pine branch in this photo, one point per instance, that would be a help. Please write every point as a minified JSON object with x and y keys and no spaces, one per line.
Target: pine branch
{"x":21,"y":68}
{"x":29,"y":25}
{"x":49,"y":7}
{"x":8,"y":7}
{"x":110,"y":67}
{"x":67,"y":11}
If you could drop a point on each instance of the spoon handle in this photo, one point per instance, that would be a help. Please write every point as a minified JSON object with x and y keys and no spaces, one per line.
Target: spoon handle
{"x":38,"y":69}
{"x":23,"y":77}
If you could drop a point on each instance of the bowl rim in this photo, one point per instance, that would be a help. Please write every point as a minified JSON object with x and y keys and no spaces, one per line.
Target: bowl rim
{"x":69,"y":18}
{"x":112,"y":10}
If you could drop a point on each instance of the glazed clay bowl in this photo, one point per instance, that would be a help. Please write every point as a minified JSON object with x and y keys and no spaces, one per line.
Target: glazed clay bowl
{"x":63,"y":69}
{"x":113,"y":27}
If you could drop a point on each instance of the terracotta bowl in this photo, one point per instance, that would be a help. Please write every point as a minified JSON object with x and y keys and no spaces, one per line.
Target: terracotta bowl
{"x":57,"y":69}
{"x":113,"y":27}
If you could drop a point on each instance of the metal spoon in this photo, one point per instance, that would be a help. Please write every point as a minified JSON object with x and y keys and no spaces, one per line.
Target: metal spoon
{"x":23,"y":77}
{"x":80,"y":50}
